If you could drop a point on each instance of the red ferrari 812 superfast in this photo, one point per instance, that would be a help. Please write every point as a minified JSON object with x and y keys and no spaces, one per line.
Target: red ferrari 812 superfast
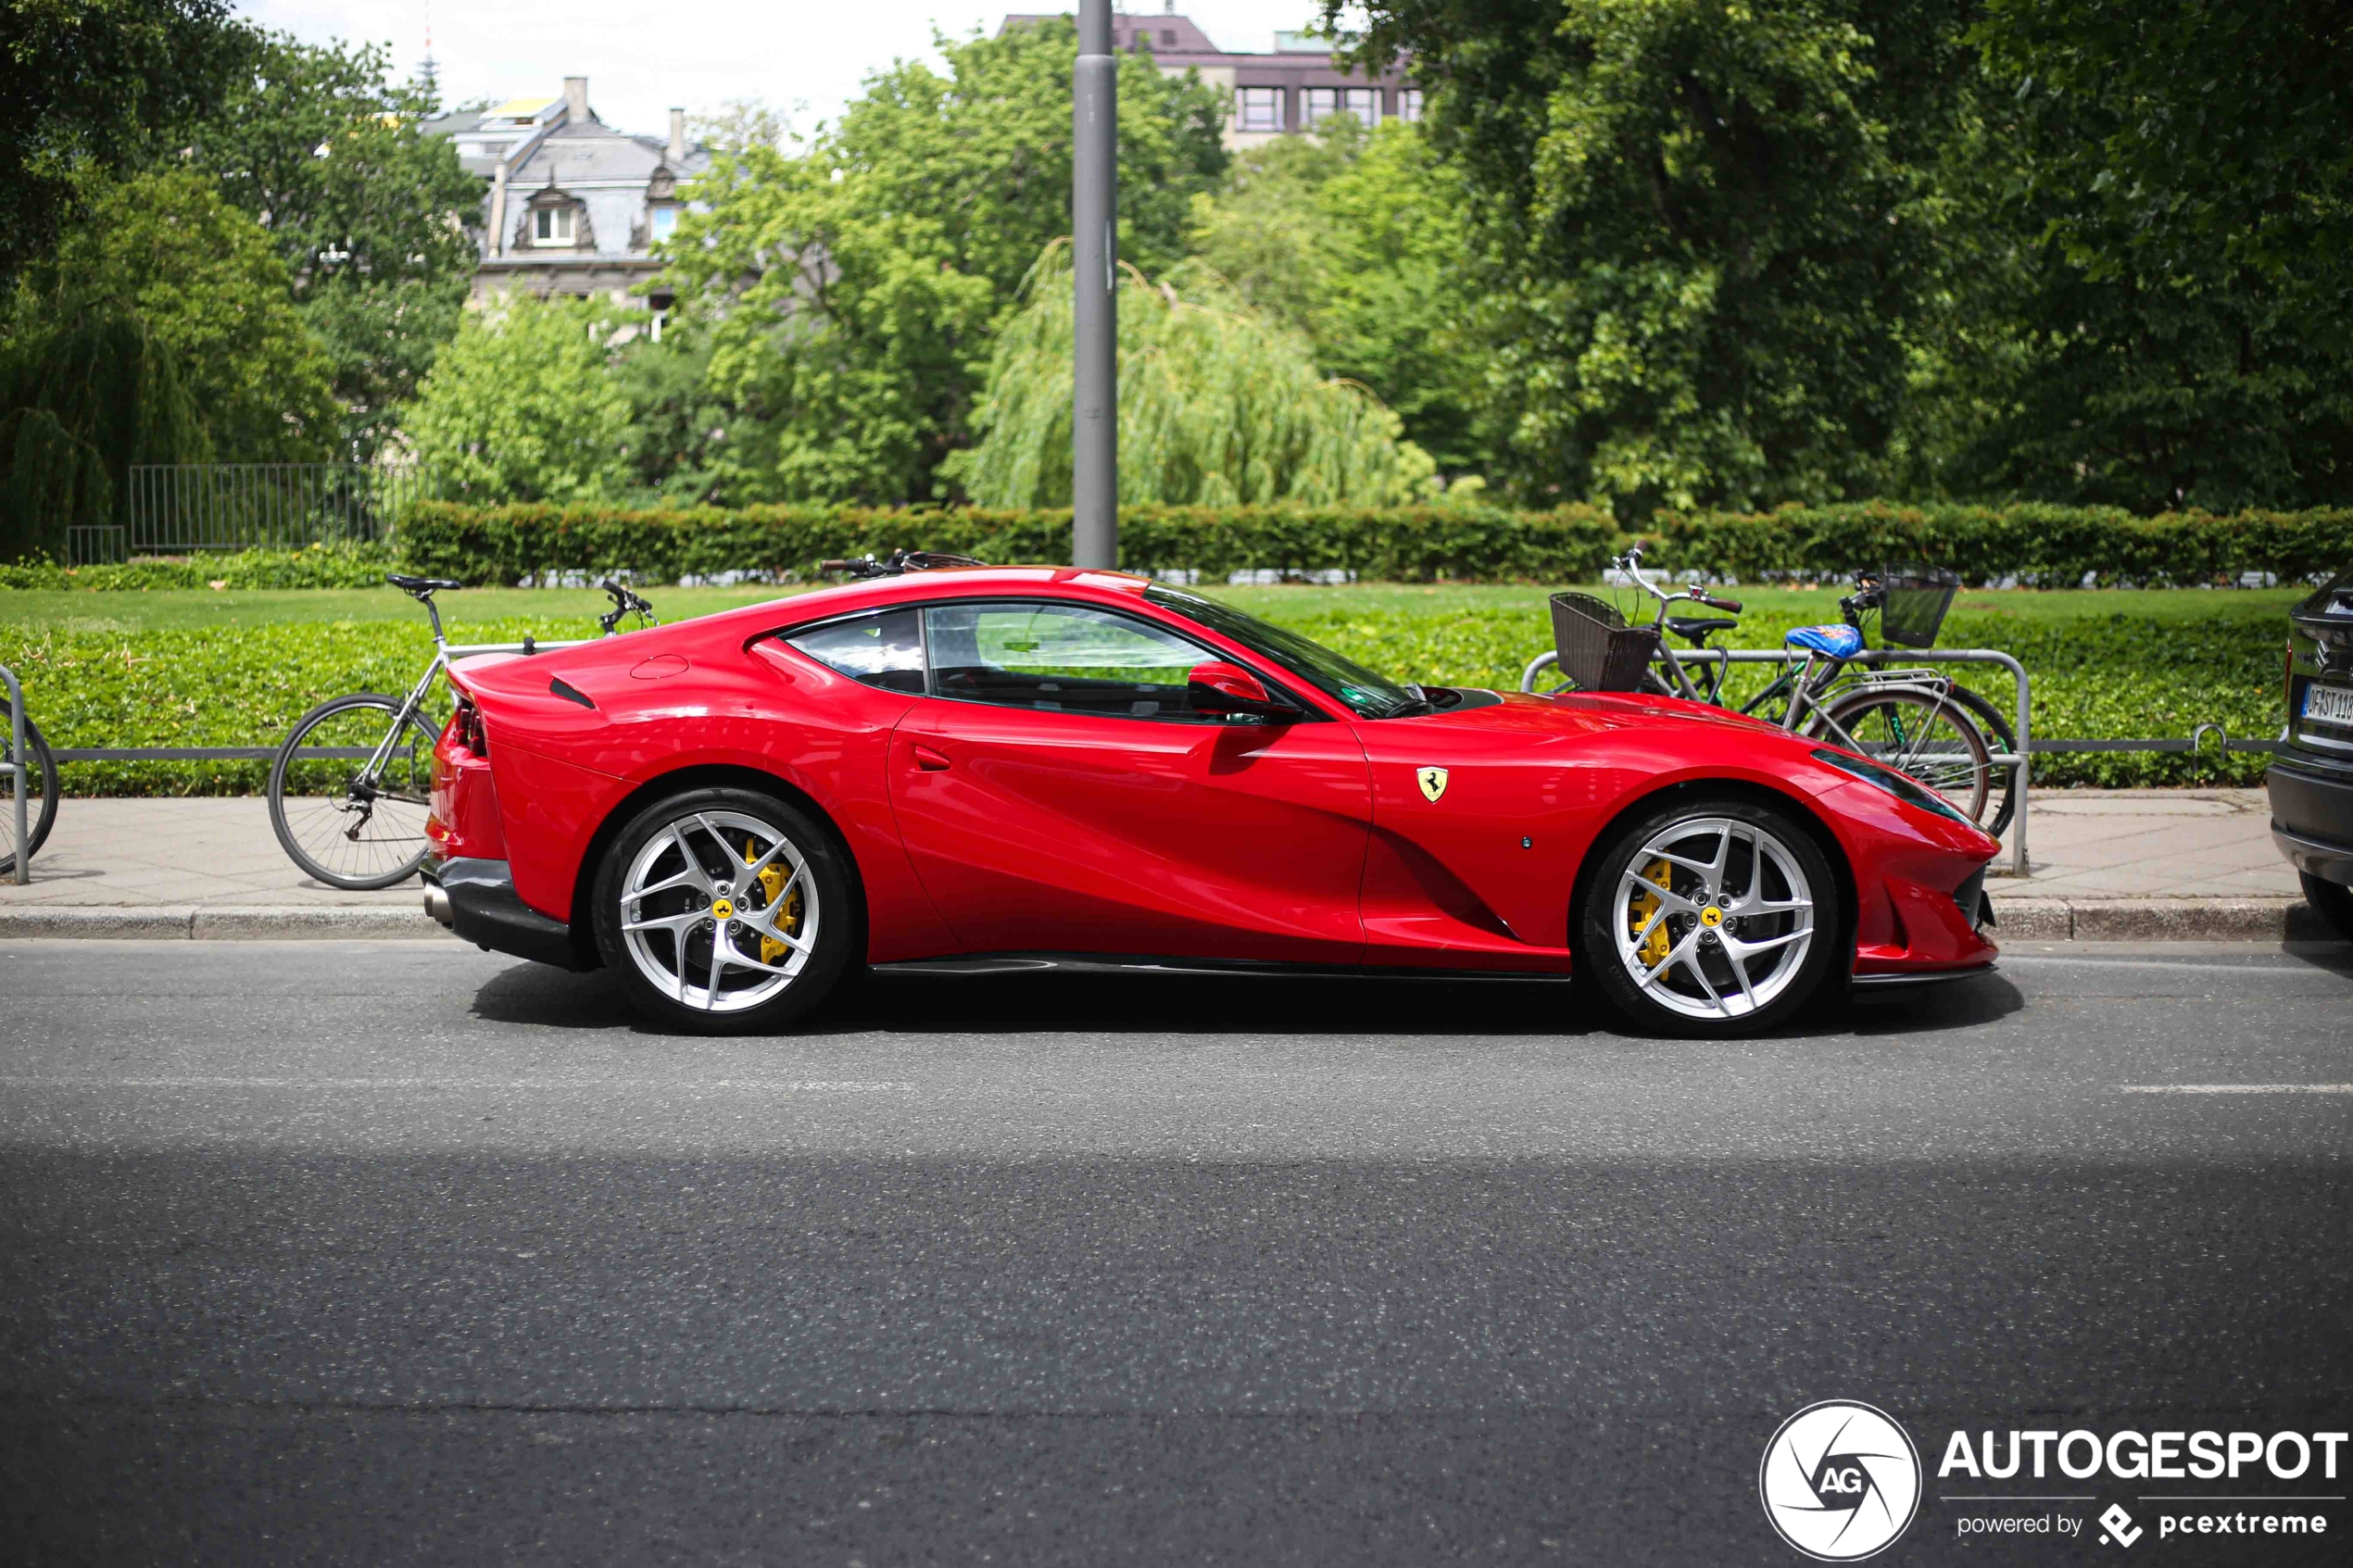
{"x":1037,"y":767}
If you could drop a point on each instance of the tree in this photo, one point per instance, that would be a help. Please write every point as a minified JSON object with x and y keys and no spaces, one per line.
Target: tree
{"x":1359,"y":242}
{"x":202,"y":278}
{"x":2151,"y":208}
{"x":851,"y":286}
{"x":80,"y":402}
{"x":92,"y":88}
{"x":1705,"y":228}
{"x":1217,"y":406}
{"x":523,"y":405}
{"x":367,"y":214}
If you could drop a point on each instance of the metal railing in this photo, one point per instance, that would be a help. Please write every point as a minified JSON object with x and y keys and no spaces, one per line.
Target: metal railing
{"x":184,"y":508}
{"x":2015,"y":759}
{"x":15,"y":768}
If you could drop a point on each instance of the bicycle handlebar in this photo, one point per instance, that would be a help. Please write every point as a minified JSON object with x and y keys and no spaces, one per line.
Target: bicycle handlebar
{"x":1711,"y":601}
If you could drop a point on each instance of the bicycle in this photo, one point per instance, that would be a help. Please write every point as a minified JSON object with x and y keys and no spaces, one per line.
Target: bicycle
{"x":40,"y":787}
{"x":364,"y":827}
{"x":1916,"y":721}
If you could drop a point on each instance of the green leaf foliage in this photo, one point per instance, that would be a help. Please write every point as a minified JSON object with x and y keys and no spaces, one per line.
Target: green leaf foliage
{"x":79,"y":402}
{"x":320,"y":566}
{"x":1358,"y":242}
{"x":2048,"y":545}
{"x":1218,"y":406}
{"x":522,"y":404}
{"x":366,"y":213}
{"x":205,"y":281}
{"x":851,"y":285}
{"x":94,"y":88}
{"x":2105,"y":665}
{"x":1702,"y":232}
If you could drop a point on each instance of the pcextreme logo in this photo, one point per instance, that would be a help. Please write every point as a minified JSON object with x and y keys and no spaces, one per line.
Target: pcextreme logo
{"x":1840,"y":1481}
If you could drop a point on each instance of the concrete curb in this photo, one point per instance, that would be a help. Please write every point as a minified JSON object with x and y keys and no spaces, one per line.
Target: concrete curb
{"x":203,"y":922}
{"x":2017,"y":920}
{"x":2156,"y":920}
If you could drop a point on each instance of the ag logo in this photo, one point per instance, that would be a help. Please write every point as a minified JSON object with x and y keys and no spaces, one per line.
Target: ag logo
{"x":1840,"y":1481}
{"x":1433,"y":782}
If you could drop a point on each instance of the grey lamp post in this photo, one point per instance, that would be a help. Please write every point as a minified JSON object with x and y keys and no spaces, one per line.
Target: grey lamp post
{"x":1095,"y":258}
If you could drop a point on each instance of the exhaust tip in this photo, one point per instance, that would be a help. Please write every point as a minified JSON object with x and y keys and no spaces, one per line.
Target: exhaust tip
{"x":437,"y":903}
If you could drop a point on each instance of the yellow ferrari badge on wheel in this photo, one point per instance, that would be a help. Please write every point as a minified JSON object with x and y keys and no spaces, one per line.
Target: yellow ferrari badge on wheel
{"x":1433,"y":782}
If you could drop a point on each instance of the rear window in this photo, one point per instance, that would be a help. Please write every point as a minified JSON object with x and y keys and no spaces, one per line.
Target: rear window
{"x":883,"y":649}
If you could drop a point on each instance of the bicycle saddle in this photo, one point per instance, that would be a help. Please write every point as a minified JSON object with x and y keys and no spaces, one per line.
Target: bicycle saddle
{"x":1838,"y":642}
{"x":419,"y":584}
{"x":1697,"y":629}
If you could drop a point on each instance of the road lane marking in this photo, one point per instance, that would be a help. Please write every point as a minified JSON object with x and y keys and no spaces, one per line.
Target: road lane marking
{"x":780,"y":1086}
{"x":2238,"y":1088}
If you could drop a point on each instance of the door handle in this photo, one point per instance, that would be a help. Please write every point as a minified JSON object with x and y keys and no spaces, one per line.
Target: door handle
{"x":930,"y":762}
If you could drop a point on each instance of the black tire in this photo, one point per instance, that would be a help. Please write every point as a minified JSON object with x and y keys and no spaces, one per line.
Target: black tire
{"x":41,"y":790}
{"x":2001,"y":738}
{"x":666,"y":972}
{"x":2334,"y":903}
{"x":1699,"y":954}
{"x":318,"y":807}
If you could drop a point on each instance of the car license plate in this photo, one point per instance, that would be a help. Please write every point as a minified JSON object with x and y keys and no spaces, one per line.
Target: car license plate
{"x":2330,"y":705}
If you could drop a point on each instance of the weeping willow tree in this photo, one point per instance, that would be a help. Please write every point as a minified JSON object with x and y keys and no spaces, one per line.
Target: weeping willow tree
{"x":80,"y":403}
{"x":1217,"y":406}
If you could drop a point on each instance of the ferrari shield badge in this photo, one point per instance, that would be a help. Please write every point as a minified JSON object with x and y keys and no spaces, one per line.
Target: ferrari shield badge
{"x":1433,"y":782}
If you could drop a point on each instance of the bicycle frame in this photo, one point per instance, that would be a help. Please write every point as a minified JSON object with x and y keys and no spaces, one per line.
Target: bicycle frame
{"x":1807,"y":693}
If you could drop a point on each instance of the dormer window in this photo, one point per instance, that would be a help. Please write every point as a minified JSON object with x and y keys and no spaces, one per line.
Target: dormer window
{"x":552,"y":226}
{"x":665,"y":222}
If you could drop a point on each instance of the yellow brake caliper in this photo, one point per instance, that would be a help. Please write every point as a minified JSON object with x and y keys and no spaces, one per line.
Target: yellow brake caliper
{"x":772,"y":880}
{"x":1653,"y":952}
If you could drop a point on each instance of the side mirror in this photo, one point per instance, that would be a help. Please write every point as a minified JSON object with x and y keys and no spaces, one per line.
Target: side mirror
{"x":1220,"y":687}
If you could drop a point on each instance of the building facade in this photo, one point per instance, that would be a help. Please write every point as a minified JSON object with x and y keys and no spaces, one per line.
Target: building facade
{"x":1290,"y":87}
{"x":570,"y":204}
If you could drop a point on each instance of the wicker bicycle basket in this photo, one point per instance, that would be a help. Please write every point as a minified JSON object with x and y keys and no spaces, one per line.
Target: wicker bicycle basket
{"x":1598,"y":651}
{"x":1917,"y":598}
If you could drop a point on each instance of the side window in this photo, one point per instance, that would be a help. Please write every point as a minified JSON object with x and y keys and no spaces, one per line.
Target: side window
{"x":883,"y":649}
{"x":1063,"y":659}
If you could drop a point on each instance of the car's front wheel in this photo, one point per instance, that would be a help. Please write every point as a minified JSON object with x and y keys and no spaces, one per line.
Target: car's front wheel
{"x":725,"y":911}
{"x":1711,"y":915}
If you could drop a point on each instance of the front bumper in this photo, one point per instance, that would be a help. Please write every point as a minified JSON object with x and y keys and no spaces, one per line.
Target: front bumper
{"x":477,"y":901}
{"x":2312,"y":816}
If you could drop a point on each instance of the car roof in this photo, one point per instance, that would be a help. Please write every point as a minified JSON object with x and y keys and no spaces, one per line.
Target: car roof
{"x":955,"y":581}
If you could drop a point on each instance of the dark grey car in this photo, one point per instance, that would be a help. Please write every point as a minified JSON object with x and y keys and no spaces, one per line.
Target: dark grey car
{"x":2311,"y":780}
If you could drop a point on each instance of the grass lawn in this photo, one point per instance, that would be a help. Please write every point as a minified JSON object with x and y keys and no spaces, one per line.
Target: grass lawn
{"x":203,"y":668}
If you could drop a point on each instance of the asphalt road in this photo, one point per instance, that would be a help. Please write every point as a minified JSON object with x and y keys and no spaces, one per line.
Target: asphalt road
{"x":404,"y":1253}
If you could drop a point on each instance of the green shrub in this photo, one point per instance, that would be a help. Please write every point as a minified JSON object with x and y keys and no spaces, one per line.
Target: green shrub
{"x":320,"y":566}
{"x":2034,"y":544}
{"x":2037,"y":545}
{"x":507,"y":544}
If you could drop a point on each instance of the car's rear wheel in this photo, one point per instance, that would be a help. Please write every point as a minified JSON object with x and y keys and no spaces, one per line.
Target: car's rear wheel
{"x":2334,"y":903}
{"x":1710,"y":915}
{"x":725,"y":911}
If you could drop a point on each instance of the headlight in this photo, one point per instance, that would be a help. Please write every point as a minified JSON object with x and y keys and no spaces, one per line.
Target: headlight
{"x":1905,"y":788}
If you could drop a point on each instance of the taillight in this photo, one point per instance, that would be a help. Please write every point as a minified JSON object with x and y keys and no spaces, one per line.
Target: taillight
{"x":469,"y":731}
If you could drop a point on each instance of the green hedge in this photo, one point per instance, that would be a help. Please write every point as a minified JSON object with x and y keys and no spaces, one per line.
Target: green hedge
{"x":2032,"y":544}
{"x":2036,"y":545}
{"x":507,"y":544}
{"x":320,"y":566}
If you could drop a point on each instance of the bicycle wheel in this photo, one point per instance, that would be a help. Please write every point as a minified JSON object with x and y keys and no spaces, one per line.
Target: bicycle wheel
{"x":41,"y":790}
{"x":345,"y":826}
{"x":1919,"y":733}
{"x":1999,"y":738}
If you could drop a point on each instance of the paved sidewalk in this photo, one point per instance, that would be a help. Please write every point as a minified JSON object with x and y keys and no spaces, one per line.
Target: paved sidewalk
{"x":2120,"y":864}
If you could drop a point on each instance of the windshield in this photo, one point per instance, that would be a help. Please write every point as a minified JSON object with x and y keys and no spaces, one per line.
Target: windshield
{"x":1366,"y":695}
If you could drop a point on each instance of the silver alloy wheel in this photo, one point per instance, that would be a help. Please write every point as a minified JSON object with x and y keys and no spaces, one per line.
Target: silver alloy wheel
{"x":705,"y":902}
{"x":1713,"y":918}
